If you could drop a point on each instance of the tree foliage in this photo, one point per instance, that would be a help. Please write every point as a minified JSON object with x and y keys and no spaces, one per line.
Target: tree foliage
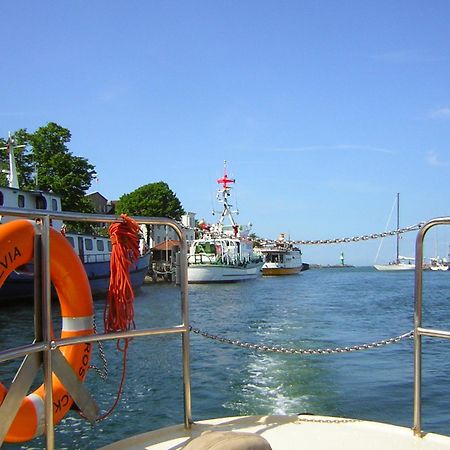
{"x":154,"y":200}
{"x":47,"y":164}
{"x":58,"y":170}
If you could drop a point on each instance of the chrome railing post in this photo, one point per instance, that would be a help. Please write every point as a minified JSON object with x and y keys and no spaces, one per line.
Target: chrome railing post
{"x":418,"y":287}
{"x":185,"y":336}
{"x":419,"y":331}
{"x":47,"y":331}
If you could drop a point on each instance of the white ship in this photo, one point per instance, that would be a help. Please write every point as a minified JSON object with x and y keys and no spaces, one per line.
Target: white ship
{"x":281,"y":258}
{"x":224,"y":252}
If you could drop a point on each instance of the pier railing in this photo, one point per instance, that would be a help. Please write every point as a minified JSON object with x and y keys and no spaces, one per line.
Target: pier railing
{"x":46,"y":345}
{"x":420,"y":331}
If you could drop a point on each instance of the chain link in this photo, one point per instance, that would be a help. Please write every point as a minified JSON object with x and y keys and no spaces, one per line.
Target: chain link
{"x":301,"y":351}
{"x":102,"y":373}
{"x":313,"y":419}
{"x":365,"y":237}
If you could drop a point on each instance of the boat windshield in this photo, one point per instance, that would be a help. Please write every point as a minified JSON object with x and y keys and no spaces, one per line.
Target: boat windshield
{"x":205,"y":247}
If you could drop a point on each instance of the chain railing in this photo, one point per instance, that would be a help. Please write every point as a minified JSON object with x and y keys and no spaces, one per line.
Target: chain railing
{"x":365,"y":237}
{"x":302,"y":351}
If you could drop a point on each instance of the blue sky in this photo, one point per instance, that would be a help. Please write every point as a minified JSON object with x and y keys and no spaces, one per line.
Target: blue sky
{"x":324,"y":110}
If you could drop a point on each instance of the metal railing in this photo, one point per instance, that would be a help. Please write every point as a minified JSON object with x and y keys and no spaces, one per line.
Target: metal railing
{"x":47,"y":346}
{"x":420,"y":331}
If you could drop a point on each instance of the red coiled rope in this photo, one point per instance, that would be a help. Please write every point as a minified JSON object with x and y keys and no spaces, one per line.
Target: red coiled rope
{"x":119,"y":310}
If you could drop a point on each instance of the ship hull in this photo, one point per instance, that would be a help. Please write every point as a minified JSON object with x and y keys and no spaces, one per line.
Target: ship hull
{"x":212,"y":273}
{"x":20,"y":285}
{"x":394,"y":267}
{"x":276,"y":271}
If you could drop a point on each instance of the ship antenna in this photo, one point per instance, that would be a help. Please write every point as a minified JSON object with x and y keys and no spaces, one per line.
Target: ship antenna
{"x":223,"y":195}
{"x":13,"y":179}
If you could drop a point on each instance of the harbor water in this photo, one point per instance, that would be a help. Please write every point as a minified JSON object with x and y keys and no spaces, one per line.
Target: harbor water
{"x":319,"y":308}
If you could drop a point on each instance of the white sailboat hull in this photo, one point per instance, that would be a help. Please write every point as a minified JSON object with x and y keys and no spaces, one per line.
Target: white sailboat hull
{"x":212,"y":273}
{"x":394,"y":267}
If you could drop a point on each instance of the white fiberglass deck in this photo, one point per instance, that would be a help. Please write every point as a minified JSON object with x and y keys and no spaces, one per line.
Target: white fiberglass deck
{"x":292,"y":433}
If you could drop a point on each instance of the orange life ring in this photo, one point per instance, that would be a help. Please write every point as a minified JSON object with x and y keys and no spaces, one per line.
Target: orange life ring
{"x":72,"y":287}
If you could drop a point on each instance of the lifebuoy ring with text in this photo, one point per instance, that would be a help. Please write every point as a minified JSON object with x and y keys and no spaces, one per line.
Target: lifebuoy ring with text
{"x":72,"y":287}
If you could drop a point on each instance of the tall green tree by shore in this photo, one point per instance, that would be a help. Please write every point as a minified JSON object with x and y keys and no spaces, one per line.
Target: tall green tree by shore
{"x":154,"y":200}
{"x":45,"y":163}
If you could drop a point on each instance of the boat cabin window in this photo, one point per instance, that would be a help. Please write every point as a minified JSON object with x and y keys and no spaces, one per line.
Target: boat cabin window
{"x":20,"y":201}
{"x":54,"y":204}
{"x":109,"y":246}
{"x":206,"y":247}
{"x":88,"y":245}
{"x":41,"y":202}
{"x":274,"y":257}
{"x":71,"y":241}
{"x":100,"y":245}
{"x":1,"y":198}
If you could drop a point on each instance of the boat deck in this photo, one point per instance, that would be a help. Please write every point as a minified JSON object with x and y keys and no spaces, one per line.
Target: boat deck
{"x":292,"y":433}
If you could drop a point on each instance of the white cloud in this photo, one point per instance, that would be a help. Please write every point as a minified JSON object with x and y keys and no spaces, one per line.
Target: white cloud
{"x":433,"y":160}
{"x":441,"y":113}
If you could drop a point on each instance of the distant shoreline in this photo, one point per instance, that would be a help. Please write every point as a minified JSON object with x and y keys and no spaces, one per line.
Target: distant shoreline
{"x":330,"y":266}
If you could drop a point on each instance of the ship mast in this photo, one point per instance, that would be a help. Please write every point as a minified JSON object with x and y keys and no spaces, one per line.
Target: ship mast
{"x":397,"y":253}
{"x":222,"y":195}
{"x":13,"y":179}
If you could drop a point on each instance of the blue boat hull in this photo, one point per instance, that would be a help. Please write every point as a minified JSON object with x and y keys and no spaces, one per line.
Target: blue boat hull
{"x":20,"y":285}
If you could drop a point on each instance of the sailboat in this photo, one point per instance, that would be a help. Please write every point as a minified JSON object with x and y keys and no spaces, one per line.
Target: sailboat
{"x":400,"y":262}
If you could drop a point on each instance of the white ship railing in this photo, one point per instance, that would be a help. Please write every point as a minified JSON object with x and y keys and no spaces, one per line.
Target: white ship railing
{"x":420,"y":331}
{"x":43,"y":338}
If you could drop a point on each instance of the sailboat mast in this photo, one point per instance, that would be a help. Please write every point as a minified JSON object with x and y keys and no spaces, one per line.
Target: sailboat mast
{"x":397,"y":259}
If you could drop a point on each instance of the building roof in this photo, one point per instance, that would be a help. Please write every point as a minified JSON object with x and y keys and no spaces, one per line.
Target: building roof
{"x":97,"y":194}
{"x":167,"y":245}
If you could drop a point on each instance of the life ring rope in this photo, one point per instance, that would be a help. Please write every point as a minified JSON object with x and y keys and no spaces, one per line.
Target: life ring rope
{"x":73,"y":290}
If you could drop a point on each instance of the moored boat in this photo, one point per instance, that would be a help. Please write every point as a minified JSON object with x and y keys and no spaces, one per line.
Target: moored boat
{"x":93,"y":250}
{"x":281,"y":258}
{"x":439,"y":264}
{"x":400,"y":263}
{"x":223,"y":253}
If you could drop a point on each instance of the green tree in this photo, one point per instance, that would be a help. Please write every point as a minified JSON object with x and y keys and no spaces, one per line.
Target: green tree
{"x":154,"y":200}
{"x":58,"y":170}
{"x":45,"y":163}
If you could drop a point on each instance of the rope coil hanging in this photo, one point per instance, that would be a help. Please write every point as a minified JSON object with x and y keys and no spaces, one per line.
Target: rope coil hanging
{"x":119,"y":310}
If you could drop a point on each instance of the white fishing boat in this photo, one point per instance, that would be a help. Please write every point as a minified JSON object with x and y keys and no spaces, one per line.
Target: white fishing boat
{"x":224,"y":252}
{"x":400,"y":263}
{"x":259,"y":432}
{"x":281,"y":258}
